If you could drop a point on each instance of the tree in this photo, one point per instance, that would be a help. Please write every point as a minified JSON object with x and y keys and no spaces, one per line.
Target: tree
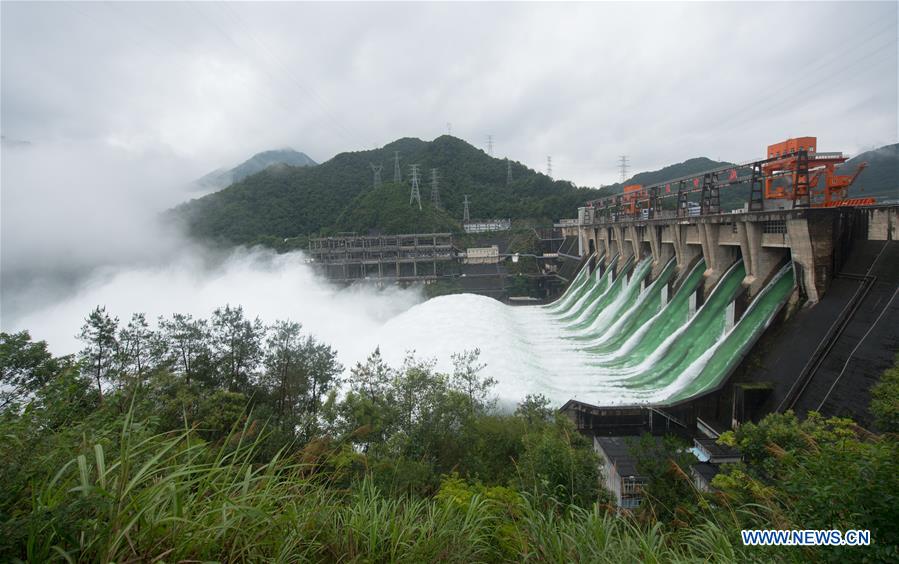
{"x":237,"y":345}
{"x":373,"y":378}
{"x":284,"y":370}
{"x":139,"y":348}
{"x":665,"y":462}
{"x":466,"y":379}
{"x":818,"y":473}
{"x":368,"y":411}
{"x":885,"y":400}
{"x":322,"y":370}
{"x":559,"y":463}
{"x":186,"y":339}
{"x":535,"y":409}
{"x":25,"y":366}
{"x":98,"y":356}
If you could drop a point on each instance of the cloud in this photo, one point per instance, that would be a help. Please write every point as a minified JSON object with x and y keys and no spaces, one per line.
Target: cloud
{"x":215,"y":82}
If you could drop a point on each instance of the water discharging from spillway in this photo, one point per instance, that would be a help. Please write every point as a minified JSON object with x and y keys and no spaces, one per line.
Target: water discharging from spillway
{"x":609,"y":339}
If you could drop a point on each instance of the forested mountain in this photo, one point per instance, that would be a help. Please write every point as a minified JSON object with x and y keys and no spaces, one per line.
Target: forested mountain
{"x":287,"y":201}
{"x":222,"y":178}
{"x":284,"y":201}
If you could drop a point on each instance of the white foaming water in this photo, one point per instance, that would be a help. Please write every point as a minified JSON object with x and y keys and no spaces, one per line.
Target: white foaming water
{"x":526,"y":349}
{"x":522,"y":353}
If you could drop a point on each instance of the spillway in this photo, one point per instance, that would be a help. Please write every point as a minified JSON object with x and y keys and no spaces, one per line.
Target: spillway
{"x":610,"y":339}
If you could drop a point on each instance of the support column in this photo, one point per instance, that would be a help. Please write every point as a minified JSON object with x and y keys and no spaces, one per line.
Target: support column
{"x":634,"y":240}
{"x":718,"y":258}
{"x":661,"y":253}
{"x":759,"y":261}
{"x":685,"y":253}
{"x":625,"y":253}
{"x":811,"y":246}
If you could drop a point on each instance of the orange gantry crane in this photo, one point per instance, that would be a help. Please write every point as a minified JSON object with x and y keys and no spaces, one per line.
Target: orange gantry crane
{"x":791,"y":170}
{"x":809,"y":175}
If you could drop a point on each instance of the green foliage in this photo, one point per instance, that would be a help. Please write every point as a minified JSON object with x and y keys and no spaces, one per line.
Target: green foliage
{"x":129,"y":495}
{"x":25,"y":367}
{"x":665,"y":462}
{"x":410,"y":464}
{"x":387,"y":210}
{"x":98,"y":358}
{"x":885,"y":400}
{"x":285,"y":202}
{"x":819,"y":474}
{"x":558,"y":463}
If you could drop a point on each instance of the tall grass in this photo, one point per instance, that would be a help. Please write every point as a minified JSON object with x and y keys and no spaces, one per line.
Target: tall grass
{"x":172,"y":497}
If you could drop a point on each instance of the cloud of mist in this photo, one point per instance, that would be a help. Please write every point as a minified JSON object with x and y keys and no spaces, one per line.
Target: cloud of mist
{"x":266,"y":284}
{"x":82,"y":227}
{"x":69,"y":208}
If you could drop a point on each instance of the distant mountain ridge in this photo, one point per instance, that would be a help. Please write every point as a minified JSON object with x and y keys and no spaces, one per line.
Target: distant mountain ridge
{"x":222,"y":178}
{"x":337,"y":195}
{"x":880,"y":179}
{"x":288,"y":201}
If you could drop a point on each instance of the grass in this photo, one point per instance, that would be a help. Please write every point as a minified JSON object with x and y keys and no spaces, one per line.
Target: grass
{"x":172,"y":497}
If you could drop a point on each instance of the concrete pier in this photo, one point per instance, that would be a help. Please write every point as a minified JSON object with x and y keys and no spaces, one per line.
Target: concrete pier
{"x":812,"y":238}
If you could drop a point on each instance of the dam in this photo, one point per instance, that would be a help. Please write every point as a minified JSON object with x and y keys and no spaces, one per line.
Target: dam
{"x":668,"y":304}
{"x":723,"y":279}
{"x":772,"y":262}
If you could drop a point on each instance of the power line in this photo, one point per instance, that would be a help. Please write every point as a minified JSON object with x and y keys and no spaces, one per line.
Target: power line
{"x":377,"y":170}
{"x":415,"y":194}
{"x":623,"y":167}
{"x":435,"y":189}
{"x":802,"y":80}
{"x":397,"y":174}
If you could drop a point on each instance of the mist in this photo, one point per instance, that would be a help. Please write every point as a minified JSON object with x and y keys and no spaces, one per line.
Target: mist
{"x":82,"y":226}
{"x":266,"y":284}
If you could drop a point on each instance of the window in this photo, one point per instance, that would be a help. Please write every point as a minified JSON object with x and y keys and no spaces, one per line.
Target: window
{"x":774,"y":226}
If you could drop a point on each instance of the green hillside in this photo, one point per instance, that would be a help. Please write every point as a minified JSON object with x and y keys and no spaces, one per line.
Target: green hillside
{"x":881,"y":178}
{"x":387,"y":210}
{"x":284,"y":201}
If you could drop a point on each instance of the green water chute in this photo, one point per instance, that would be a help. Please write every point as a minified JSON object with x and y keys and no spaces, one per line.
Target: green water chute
{"x":700,"y":333}
{"x":649,"y":305}
{"x":673,"y":316}
{"x":736,"y":344}
{"x":586,"y":282}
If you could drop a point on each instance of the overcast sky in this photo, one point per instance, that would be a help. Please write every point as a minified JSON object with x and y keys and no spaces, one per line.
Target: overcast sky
{"x":208,"y":84}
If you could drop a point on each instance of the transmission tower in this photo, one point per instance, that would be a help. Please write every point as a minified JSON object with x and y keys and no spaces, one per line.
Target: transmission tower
{"x":490,"y":145}
{"x":397,"y":175}
{"x":377,"y":170}
{"x":449,"y":128}
{"x":508,"y":172}
{"x":415,"y":195}
{"x":435,"y":190}
{"x":622,"y":167}
{"x":549,"y":166}
{"x":465,"y":216}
